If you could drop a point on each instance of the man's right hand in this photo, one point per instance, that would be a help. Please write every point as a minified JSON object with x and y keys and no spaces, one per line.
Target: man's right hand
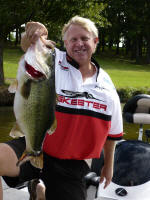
{"x":33,"y":31}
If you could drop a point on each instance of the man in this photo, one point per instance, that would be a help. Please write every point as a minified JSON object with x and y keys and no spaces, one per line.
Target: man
{"x":88,"y":116}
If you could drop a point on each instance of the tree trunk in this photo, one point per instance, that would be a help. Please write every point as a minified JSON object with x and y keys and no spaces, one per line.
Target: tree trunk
{"x":139,"y":49}
{"x":110,"y":44}
{"x":117,"y":48}
{"x":148,"y":51}
{"x":19,"y":34}
{"x":140,"y":41}
{"x":1,"y":63}
{"x":133,"y":49}
{"x":17,"y":38}
{"x":127,"y":46}
{"x":103,"y":42}
{"x":98,"y":49}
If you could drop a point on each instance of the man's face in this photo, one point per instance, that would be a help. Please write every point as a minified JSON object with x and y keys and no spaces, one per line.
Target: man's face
{"x":80,"y":44}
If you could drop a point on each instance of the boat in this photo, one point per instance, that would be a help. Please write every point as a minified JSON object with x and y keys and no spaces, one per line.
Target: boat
{"x":131,"y":178}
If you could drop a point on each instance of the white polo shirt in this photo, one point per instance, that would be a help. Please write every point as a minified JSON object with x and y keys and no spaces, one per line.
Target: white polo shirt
{"x":87,"y":112}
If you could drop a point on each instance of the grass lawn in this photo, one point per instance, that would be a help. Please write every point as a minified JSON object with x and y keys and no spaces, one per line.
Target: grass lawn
{"x":123,"y":72}
{"x":11,"y":59}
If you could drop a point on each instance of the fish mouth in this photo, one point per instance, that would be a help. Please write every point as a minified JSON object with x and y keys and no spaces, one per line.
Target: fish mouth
{"x":33,"y":72}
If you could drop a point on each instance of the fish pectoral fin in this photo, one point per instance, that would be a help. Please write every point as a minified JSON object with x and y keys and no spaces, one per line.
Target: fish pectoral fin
{"x":16,"y":132}
{"x":13,"y":87}
{"x":26,"y":88}
{"x":53,"y":127}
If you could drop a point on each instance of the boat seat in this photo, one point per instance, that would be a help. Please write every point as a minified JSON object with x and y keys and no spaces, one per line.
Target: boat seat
{"x":137,"y":110}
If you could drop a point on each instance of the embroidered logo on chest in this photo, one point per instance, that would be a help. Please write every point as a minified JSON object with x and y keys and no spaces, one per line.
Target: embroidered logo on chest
{"x":63,"y":67}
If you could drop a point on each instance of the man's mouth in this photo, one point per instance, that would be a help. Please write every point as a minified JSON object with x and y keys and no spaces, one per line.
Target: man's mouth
{"x":80,"y":51}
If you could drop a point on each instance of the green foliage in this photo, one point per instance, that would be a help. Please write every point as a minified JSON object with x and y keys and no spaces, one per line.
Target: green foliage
{"x":12,"y":37}
{"x":54,"y":14}
{"x":15,"y":13}
{"x":126,"y":93}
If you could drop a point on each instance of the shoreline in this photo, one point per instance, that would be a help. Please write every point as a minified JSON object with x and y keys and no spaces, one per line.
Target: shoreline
{"x":6,"y":98}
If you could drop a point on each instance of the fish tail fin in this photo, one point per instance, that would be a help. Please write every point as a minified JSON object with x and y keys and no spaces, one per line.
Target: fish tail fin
{"x":36,"y":160}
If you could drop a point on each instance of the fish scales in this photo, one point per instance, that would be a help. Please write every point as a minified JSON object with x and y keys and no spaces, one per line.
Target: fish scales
{"x":37,"y":117}
{"x":35,"y":99}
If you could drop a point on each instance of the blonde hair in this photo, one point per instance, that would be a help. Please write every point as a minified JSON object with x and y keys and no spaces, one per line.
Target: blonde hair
{"x":86,"y":23}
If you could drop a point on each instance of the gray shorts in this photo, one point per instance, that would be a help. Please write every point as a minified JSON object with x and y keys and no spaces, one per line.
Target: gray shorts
{"x":64,"y":179}
{"x":27,"y":171}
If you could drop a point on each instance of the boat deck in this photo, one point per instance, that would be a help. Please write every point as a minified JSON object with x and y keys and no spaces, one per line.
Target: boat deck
{"x":22,"y":194}
{"x":15,"y":194}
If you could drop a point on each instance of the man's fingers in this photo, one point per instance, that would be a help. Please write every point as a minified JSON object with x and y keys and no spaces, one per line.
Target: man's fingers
{"x":34,"y":30}
{"x":48,"y":43}
{"x":101,"y":180}
{"x":106,"y":183}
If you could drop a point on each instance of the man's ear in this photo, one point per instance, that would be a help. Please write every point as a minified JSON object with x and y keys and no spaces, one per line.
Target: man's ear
{"x":96,"y":40}
{"x":65,"y":43}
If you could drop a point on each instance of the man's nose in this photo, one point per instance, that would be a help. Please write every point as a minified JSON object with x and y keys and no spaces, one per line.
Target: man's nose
{"x":79,"y":42}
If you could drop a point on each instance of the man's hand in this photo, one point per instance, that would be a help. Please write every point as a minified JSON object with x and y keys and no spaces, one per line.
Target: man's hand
{"x":107,"y":170}
{"x":106,"y":174}
{"x":35,"y":30}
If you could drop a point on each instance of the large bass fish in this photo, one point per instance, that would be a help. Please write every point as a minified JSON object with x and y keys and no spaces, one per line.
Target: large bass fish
{"x":34,"y":102}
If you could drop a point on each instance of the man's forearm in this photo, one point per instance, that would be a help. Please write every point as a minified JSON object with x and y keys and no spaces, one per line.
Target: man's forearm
{"x":107,"y":170}
{"x":109,"y":149}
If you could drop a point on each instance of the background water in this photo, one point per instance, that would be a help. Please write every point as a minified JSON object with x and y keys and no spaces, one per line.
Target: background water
{"x":7,"y":120}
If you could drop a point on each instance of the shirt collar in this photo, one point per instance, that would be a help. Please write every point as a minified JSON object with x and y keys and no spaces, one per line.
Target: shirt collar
{"x":76,"y":65}
{"x":72,"y":61}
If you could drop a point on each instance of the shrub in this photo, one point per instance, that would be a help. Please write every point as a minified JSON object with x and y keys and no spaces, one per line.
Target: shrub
{"x":126,"y":93}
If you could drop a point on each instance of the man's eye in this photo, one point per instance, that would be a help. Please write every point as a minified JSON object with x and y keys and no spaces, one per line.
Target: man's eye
{"x":85,"y":39}
{"x":73,"y":39}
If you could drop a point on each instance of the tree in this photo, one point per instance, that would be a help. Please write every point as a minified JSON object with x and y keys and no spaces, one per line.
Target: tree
{"x":131,"y":23}
{"x":51,"y":13}
{"x":54,"y":14}
{"x":12,"y":15}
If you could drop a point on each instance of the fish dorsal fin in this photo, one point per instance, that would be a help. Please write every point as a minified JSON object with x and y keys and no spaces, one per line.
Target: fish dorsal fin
{"x":16,"y":132}
{"x":13,"y":87}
